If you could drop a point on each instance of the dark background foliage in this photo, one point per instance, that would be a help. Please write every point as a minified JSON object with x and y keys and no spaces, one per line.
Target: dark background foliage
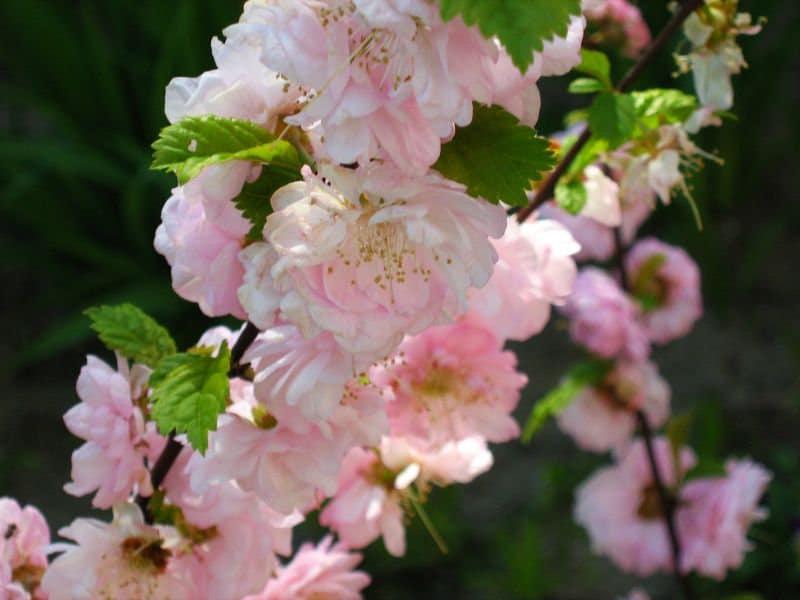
{"x":81,"y":93}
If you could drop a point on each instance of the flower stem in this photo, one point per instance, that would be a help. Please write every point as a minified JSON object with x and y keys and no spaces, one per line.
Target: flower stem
{"x":426,"y":521}
{"x":668,"y":506}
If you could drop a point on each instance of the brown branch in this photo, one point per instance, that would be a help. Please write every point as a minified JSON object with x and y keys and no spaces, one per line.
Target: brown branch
{"x":668,"y":506}
{"x":665,"y":498}
{"x":173,"y":448}
{"x":545,"y":192}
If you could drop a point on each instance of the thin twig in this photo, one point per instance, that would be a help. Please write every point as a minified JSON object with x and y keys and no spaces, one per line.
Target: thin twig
{"x":665,"y":497}
{"x":173,"y":448}
{"x":545,"y":191}
{"x":668,"y":506}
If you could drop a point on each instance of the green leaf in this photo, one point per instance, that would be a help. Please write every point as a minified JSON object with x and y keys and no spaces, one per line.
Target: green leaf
{"x":612,"y":117}
{"x":581,"y":375}
{"x":586,"y":85}
{"x":571,"y":195}
{"x":521,"y":25}
{"x":194,"y":143}
{"x":255,"y":199}
{"x":128,"y":330}
{"x":189,"y":392}
{"x":496,"y":157}
{"x":595,"y":64}
{"x":658,"y":106}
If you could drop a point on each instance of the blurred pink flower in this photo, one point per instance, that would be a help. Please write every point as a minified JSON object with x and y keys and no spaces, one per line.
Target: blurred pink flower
{"x":621,"y":16}
{"x":620,"y":509}
{"x":596,"y":239}
{"x":715,"y":516}
{"x":671,"y":291}
{"x":604,"y":319}
{"x":535,"y":270}
{"x":602,"y":417}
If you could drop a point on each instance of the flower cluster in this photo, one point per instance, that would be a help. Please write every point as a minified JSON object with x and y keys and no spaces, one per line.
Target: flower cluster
{"x":652,"y":507}
{"x":378,"y":296}
{"x":378,"y":369}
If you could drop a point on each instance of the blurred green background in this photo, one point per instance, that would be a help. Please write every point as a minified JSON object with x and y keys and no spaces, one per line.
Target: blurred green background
{"x":81,"y":94}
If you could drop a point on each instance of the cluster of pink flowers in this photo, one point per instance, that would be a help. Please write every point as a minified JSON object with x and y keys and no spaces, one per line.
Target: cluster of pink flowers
{"x":621,"y":509}
{"x":663,"y":303}
{"x":383,"y":294}
{"x":649,"y":296}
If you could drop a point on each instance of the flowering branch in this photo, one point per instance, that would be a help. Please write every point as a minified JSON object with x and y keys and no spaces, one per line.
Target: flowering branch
{"x":545,"y":192}
{"x":665,"y":499}
{"x":173,"y":448}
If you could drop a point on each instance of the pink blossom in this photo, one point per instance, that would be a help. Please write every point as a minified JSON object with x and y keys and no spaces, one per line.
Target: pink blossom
{"x":535,"y":270}
{"x":452,"y":382}
{"x":716,"y":514}
{"x":559,"y":55}
{"x":620,"y":508}
{"x":241,"y":87}
{"x":636,"y":594}
{"x":596,"y":239}
{"x":380,"y":74}
{"x":201,"y":235}
{"x":322,"y":571}
{"x":604,"y":319}
{"x":518,"y":92}
{"x":286,"y":469}
{"x":23,"y":545}
{"x":602,"y":198}
{"x":370,"y":255}
{"x":294,"y":373}
{"x":615,"y":15}
{"x":118,"y":440}
{"x":457,"y":461}
{"x":124,"y":560}
{"x":602,"y":417}
{"x":367,"y":504}
{"x":230,"y":536}
{"x":673,"y":288}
